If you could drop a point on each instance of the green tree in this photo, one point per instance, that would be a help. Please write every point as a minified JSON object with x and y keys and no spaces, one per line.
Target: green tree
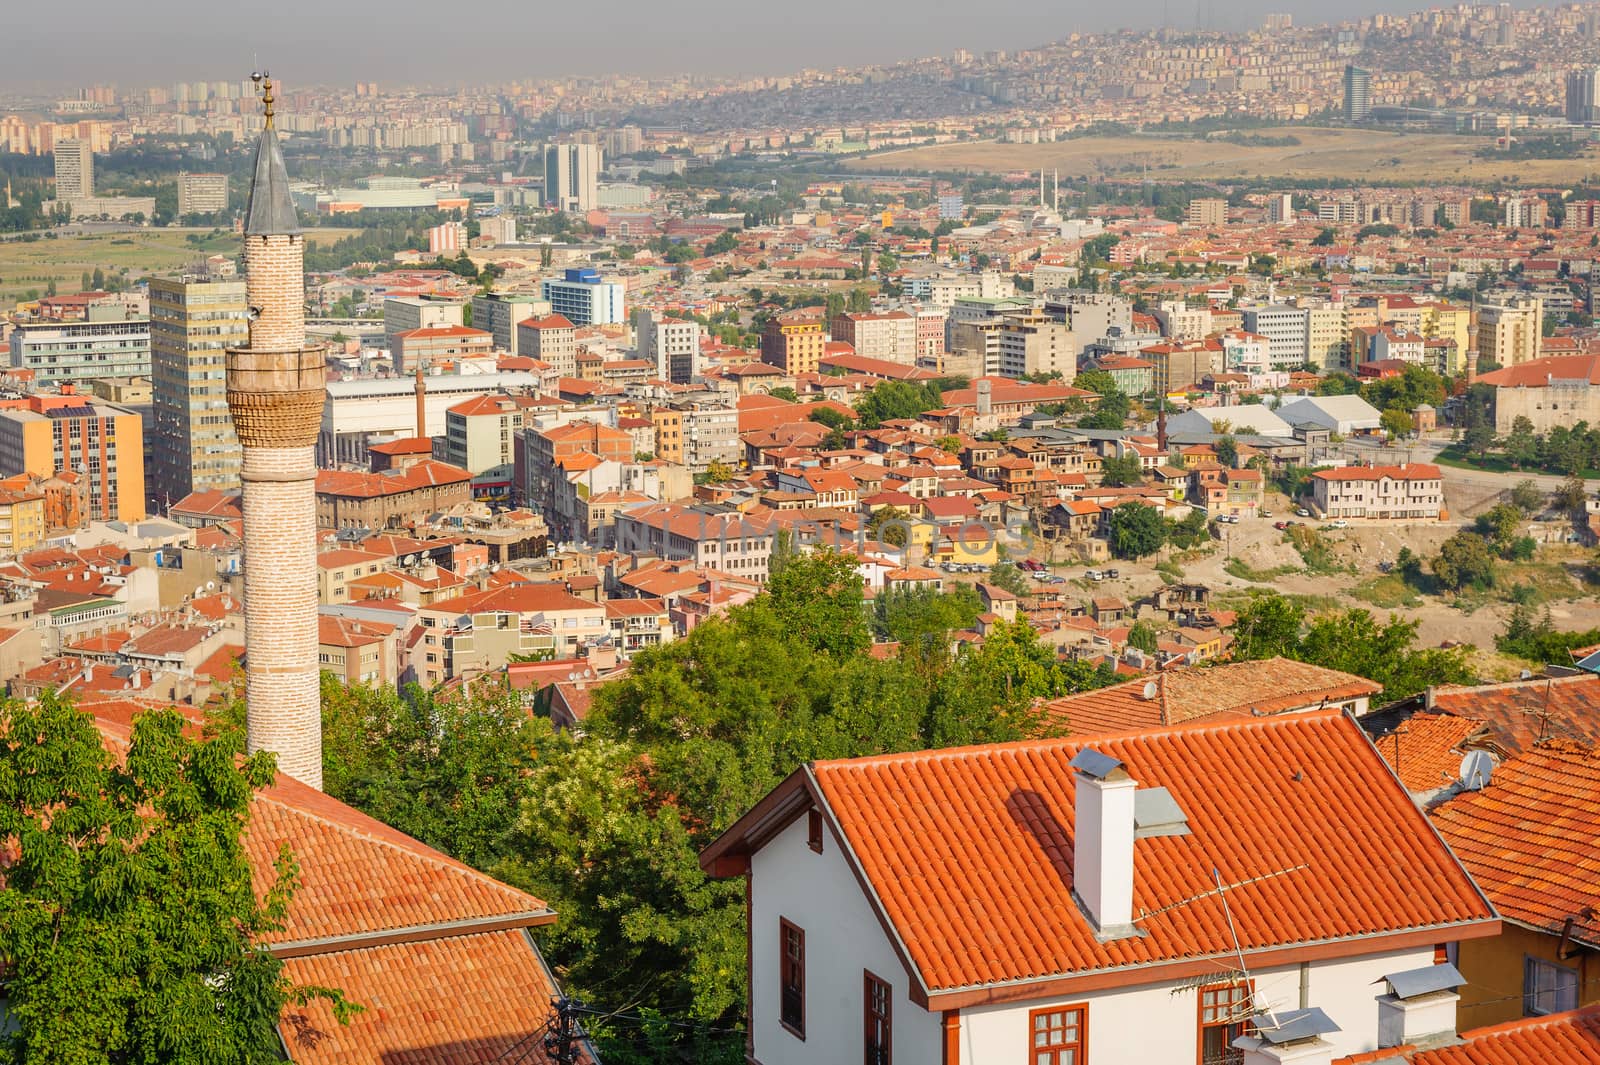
{"x":1136,"y":530}
{"x":1268,"y":627}
{"x":1526,"y":497}
{"x":1478,"y":439}
{"x":1521,"y":445}
{"x":1464,"y":561}
{"x":1499,"y":524}
{"x":1121,"y":471}
{"x":1227,"y":449}
{"x":1190,"y":531}
{"x":893,"y":400}
{"x":128,"y":919}
{"x":834,"y":305}
{"x":718,"y":472}
{"x":1396,"y":422}
{"x":860,"y":301}
{"x":818,"y":597}
{"x":922,"y":618}
{"x":1143,"y":635}
{"x":1009,"y":575}
{"x":889,"y":524}
{"x":786,"y":393}
{"x":1571,"y":497}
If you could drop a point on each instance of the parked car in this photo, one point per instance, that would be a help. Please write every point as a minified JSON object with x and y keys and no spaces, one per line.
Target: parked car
{"x":1095,"y":575}
{"x":1111,"y":574}
{"x":1281,"y":524}
{"x":1302,"y":512}
{"x":1339,"y":523}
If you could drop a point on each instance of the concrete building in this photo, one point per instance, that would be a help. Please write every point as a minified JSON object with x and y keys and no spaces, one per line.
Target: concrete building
{"x":583,"y":298}
{"x":202,"y":193}
{"x":1409,"y":490}
{"x":1280,"y":209}
{"x":111,"y":342}
{"x":22,"y":526}
{"x":1509,"y":331}
{"x":1562,"y":390}
{"x":1357,"y":94}
{"x":710,"y":434}
{"x":551,"y":338}
{"x":402,"y":314}
{"x":1583,"y":96}
{"x":72,"y":434}
{"x":671,"y":345}
{"x":1179,"y":321}
{"x":1526,"y":212}
{"x":572,"y":177}
{"x":1183,"y":364}
{"x":1286,"y":330}
{"x":891,"y":336}
{"x":74,"y":165}
{"x":275,"y":393}
{"x":1326,"y":346}
{"x":435,"y":344}
{"x":1091,"y":314}
{"x":1207,"y":212}
{"x":357,"y":414}
{"x":192,"y":325}
{"x":498,"y":314}
{"x":393,"y":498}
{"x":794,"y":343}
{"x":1035,"y":344}
{"x":480,"y":437}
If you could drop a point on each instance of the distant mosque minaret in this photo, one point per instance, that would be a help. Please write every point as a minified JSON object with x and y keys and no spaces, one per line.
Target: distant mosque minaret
{"x":275,"y":390}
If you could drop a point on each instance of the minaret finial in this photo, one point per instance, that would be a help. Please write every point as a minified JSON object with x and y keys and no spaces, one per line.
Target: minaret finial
{"x":263,"y":80}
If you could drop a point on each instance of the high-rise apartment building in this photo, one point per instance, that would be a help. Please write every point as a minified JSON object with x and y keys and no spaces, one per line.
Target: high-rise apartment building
{"x":74,"y":160}
{"x":1286,"y":330}
{"x":794,"y":343}
{"x":110,"y":342}
{"x":1207,"y":212}
{"x":581,"y":297}
{"x":550,"y":338}
{"x":192,"y":326}
{"x":1526,"y":212}
{"x":77,"y":435}
{"x":498,"y":314}
{"x":1357,"y":94}
{"x":402,"y":314}
{"x":1583,"y":96}
{"x":672,"y":345}
{"x":891,"y":335}
{"x":1509,"y":331}
{"x":1280,"y":209}
{"x":572,"y":177}
{"x":202,"y":193}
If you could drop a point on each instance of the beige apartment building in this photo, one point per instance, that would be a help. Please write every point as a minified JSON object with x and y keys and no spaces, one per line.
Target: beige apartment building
{"x":192,"y":325}
{"x":202,"y":193}
{"x":357,"y":652}
{"x":891,"y":336}
{"x":552,"y":339}
{"x":794,"y":343}
{"x":1207,"y":212}
{"x":480,"y":631}
{"x":1509,"y":332}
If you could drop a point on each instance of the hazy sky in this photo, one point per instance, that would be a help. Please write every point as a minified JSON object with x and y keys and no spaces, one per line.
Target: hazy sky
{"x":141,"y":42}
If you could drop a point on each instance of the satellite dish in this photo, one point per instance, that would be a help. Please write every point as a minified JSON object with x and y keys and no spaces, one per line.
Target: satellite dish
{"x":409,"y":560}
{"x":1150,"y":690}
{"x":211,"y":585}
{"x":1476,"y":768}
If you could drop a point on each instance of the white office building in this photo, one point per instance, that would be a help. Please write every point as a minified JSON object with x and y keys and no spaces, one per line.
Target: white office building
{"x":582,"y":298}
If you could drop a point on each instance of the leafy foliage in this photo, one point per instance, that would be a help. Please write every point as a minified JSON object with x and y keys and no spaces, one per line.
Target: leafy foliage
{"x":893,"y":400}
{"x":1351,"y":640}
{"x":1464,"y":561}
{"x":1119,"y":471}
{"x":1009,"y":575}
{"x":1538,"y":640}
{"x":1136,"y":530}
{"x":128,"y":919}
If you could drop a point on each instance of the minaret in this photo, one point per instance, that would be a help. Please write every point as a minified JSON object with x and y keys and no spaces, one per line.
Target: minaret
{"x":276,"y":388}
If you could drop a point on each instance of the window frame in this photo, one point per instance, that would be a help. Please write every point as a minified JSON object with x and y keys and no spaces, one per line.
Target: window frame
{"x":1530,"y":964}
{"x":870,"y":1019}
{"x":1081,"y":1045}
{"x":785,"y":928}
{"x":1244,"y":986}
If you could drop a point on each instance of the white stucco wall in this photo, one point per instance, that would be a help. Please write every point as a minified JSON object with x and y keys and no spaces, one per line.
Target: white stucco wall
{"x":818,"y":893}
{"x":1160,"y":1022}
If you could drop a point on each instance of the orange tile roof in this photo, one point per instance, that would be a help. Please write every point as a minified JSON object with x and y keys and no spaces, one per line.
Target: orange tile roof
{"x":1267,"y":687}
{"x":1425,"y":752}
{"x":1521,"y":713}
{"x":969,"y":851}
{"x":1415,"y":471}
{"x":1528,"y":837}
{"x":457,"y":1001}
{"x":1571,"y":1038}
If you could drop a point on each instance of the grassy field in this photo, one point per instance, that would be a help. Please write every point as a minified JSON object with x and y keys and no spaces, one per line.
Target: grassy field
{"x":1374,"y":156}
{"x":32,"y":265}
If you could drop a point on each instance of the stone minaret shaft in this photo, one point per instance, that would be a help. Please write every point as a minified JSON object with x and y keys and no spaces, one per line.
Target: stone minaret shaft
{"x":275,"y":394}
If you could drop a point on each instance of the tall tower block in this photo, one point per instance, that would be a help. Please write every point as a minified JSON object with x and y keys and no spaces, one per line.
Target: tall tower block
{"x":275,"y":390}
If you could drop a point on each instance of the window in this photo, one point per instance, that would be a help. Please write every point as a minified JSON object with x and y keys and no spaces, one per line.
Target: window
{"x":1547,"y":987}
{"x":814,"y":830}
{"x":875,"y":1020}
{"x":1059,"y":1036}
{"x":1223,"y":1008}
{"x":792,"y":977}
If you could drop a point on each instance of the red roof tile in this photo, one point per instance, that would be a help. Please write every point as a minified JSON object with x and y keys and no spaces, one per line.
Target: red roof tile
{"x":1521,"y":713}
{"x":1559,"y":1039}
{"x":1266,"y":687}
{"x":969,"y":850}
{"x":1528,"y":837}
{"x":1425,"y":752}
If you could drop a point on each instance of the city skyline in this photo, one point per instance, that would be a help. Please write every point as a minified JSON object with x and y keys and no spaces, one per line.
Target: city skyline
{"x":710,"y":37}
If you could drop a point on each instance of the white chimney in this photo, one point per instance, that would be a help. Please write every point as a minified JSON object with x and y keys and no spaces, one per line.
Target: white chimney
{"x":1421,"y":1004}
{"x":1102,"y":852}
{"x":1292,"y":1037}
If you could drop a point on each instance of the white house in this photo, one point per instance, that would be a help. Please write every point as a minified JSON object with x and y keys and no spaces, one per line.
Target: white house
{"x":1253,"y":890}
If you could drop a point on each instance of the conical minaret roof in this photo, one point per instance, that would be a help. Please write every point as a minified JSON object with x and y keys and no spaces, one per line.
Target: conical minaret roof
{"x":271,"y":210}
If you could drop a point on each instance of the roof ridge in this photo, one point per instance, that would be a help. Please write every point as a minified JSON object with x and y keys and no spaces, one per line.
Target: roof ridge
{"x":1523,"y":1024}
{"x":1218,"y":723}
